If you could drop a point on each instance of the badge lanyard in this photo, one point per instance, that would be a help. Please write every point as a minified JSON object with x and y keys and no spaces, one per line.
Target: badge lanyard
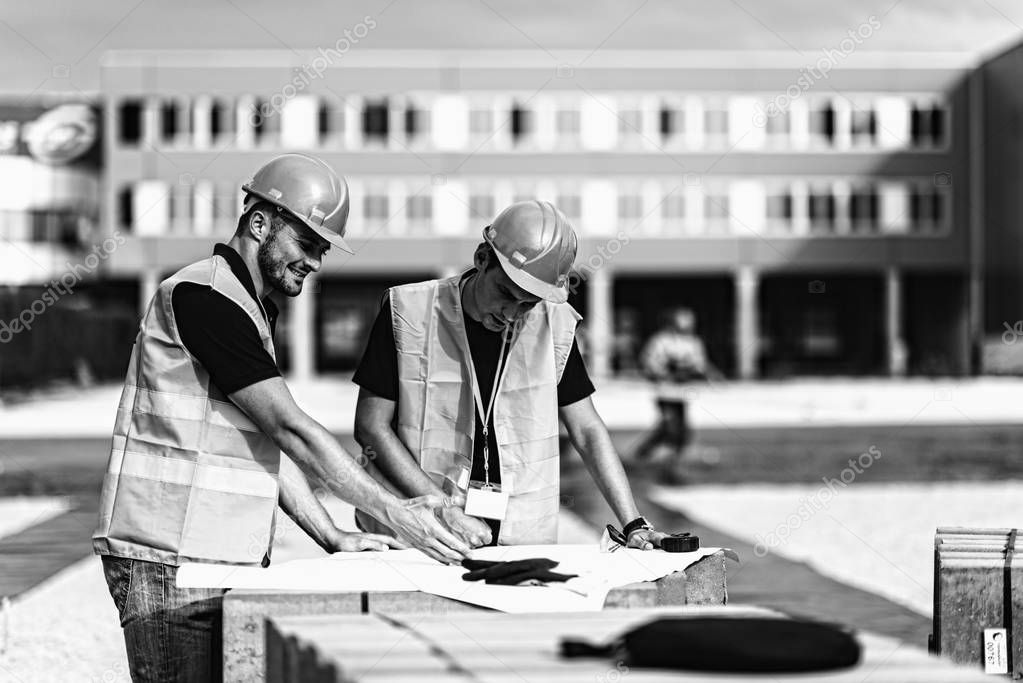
{"x":485,"y":415}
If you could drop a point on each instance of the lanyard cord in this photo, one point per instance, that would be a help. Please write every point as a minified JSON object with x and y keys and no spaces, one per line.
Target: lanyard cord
{"x":502,"y":365}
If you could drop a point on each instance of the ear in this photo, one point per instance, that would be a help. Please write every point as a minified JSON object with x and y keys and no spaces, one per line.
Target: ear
{"x":481,"y":258}
{"x":258,"y":225}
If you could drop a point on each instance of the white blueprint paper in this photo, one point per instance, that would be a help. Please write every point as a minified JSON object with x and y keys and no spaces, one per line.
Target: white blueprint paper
{"x":407,"y":570}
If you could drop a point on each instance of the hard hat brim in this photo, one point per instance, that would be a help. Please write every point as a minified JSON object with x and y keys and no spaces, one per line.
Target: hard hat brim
{"x":533,"y":285}
{"x":332,"y":237}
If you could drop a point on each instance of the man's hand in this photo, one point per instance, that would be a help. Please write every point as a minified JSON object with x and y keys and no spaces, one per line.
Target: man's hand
{"x":345,"y":542}
{"x":415,"y":521}
{"x":472,"y":530}
{"x":645,"y":539}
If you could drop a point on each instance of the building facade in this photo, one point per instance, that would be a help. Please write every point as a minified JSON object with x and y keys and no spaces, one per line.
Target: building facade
{"x":817,"y":221}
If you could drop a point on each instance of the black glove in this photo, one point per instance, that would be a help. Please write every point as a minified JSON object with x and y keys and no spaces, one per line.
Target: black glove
{"x":513,"y":572}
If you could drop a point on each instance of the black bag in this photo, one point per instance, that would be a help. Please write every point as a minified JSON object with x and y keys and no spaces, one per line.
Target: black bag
{"x":730,"y":644}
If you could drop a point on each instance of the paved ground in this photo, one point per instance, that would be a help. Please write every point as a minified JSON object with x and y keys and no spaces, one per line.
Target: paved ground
{"x":772,"y":445}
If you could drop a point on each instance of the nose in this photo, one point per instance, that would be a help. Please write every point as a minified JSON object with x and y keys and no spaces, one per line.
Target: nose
{"x":313,"y":263}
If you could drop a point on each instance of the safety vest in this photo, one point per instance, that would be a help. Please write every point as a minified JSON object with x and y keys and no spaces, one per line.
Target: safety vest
{"x":190,"y":477}
{"x":436,"y":415}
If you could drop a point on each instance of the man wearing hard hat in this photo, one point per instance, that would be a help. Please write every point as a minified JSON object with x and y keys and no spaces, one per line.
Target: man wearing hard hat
{"x":463,"y":382}
{"x":196,"y":470}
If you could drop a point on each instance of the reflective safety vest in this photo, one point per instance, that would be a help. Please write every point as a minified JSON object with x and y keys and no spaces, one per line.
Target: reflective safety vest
{"x":190,"y":476}
{"x":436,"y":414}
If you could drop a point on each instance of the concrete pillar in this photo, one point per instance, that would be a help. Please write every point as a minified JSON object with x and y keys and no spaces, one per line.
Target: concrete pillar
{"x":747,"y":325}
{"x":149,"y":280}
{"x":301,"y":337}
{"x":151,"y":122}
{"x":895,"y":342}
{"x":599,"y":321}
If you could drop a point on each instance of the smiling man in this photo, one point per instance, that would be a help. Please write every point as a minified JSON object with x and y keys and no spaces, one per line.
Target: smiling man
{"x":196,"y":469}
{"x":464,"y":380}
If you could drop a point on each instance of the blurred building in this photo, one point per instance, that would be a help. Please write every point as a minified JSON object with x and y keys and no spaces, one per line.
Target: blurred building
{"x":816,"y":221}
{"x":51,"y":243}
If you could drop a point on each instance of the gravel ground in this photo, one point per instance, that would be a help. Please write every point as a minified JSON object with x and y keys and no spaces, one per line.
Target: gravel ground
{"x":17,"y":514}
{"x":66,"y":629}
{"x":877,"y":537}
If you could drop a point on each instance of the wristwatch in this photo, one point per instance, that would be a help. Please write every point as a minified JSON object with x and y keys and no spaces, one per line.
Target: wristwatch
{"x":635,"y":525}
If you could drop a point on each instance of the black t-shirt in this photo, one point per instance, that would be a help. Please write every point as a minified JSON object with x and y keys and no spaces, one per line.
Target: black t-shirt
{"x":378,"y":373}
{"x":220,"y":334}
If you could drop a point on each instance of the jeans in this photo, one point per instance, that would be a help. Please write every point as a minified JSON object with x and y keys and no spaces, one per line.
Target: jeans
{"x":171,"y":633}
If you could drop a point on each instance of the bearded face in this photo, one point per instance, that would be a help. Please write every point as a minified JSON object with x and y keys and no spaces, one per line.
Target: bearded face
{"x":289,"y":254}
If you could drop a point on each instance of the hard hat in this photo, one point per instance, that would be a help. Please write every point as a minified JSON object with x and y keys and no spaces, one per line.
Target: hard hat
{"x":309,"y":190}
{"x":535,"y":245}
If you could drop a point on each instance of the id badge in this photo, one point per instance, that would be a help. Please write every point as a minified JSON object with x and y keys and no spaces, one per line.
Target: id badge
{"x":488,"y":502}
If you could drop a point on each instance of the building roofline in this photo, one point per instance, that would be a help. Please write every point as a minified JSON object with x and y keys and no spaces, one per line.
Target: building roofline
{"x":582,"y":59}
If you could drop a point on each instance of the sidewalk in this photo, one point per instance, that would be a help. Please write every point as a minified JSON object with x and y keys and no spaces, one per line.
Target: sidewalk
{"x":624,"y":404}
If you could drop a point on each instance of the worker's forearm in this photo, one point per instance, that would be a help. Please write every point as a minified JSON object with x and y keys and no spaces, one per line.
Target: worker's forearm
{"x":321,"y":457}
{"x":300,"y":502}
{"x":395,"y":462}
{"x":597,"y":451}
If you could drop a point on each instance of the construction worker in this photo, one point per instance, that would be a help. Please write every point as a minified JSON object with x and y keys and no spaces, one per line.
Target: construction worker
{"x":196,"y":470}
{"x":673,"y":359}
{"x":463,"y":382}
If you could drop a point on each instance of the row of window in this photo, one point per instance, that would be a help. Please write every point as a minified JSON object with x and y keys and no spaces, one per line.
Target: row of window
{"x":46,"y":226}
{"x":451,"y":122}
{"x":407,"y":207}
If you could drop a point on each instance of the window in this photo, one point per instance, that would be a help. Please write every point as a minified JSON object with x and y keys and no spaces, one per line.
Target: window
{"x":125,"y":215}
{"x":822,"y":122}
{"x":169,"y":124}
{"x":779,"y":123}
{"x":419,"y":208}
{"x":260,"y":110}
{"x":568,"y":122}
{"x":779,"y":207}
{"x":863,"y":126}
{"x":630,"y":123}
{"x":671,"y":121}
{"x":375,"y":207}
{"x":673,"y":207}
{"x":481,"y":121}
{"x":822,"y":211}
{"x":863,"y":210}
{"x":481,"y":207}
{"x":927,"y":125}
{"x":630,"y":207}
{"x":715,"y":122}
{"x":926,"y":209}
{"x":520,"y":123}
{"x":416,"y":121}
{"x":218,"y":119}
{"x":376,"y":121}
{"x":570,"y":205}
{"x":130,"y":122}
{"x":716,"y":212}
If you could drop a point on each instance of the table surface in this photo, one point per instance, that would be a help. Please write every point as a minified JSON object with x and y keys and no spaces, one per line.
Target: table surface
{"x":506,"y":648}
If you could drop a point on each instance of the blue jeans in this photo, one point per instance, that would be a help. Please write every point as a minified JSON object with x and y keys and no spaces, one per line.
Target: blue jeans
{"x":171,"y":633}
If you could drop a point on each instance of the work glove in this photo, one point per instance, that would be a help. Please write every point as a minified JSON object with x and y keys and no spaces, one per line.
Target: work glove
{"x":535,"y":571}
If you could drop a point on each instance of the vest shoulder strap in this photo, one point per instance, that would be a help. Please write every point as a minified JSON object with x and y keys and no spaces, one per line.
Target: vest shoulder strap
{"x":215,"y":272}
{"x":563,"y":320}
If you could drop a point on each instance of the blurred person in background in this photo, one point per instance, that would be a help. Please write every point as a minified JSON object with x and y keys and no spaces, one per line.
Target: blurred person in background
{"x":196,"y":471}
{"x":464,"y":380}
{"x":674,"y":359}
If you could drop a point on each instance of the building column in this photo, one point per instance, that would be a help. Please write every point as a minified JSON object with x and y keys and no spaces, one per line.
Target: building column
{"x":149,"y":280}
{"x":600,"y":328}
{"x":747,"y":324}
{"x":895,"y":343}
{"x":301,"y":337}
